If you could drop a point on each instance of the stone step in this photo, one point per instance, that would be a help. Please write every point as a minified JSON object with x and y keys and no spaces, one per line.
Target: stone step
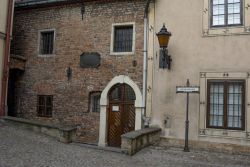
{"x":2,"y":123}
{"x":93,"y":146}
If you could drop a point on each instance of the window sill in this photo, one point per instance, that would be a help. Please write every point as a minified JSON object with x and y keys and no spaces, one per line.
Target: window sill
{"x":94,"y":113}
{"x":226,"y":31}
{"x":224,"y":133}
{"x":121,"y":53}
{"x":48,"y":55}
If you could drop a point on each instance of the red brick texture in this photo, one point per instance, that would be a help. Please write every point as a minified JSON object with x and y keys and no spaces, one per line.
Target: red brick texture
{"x":47,"y":75}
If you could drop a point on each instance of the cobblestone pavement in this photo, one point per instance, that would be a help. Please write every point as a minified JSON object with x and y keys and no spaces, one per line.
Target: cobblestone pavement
{"x":23,"y":148}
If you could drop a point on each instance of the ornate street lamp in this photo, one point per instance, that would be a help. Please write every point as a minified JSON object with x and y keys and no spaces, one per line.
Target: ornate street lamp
{"x":163,"y":38}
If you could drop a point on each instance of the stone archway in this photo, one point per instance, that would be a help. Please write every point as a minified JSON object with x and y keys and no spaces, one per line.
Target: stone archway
{"x":121,"y":79}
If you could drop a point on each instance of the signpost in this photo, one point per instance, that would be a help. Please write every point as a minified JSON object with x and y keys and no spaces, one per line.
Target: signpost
{"x":187,"y":89}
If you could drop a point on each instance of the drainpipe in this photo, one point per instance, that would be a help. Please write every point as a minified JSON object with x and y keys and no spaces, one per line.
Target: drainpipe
{"x":145,"y":65}
{"x":6,"y":58}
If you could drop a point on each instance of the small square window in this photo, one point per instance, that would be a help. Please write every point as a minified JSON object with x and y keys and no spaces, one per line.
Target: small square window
{"x":94,"y":98}
{"x":46,"y":42}
{"x":225,"y":17}
{"x":123,"y":39}
{"x":226,"y":13}
{"x":44,"y":105}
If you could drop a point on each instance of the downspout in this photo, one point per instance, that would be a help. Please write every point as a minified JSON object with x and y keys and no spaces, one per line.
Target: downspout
{"x":145,"y":65}
{"x":6,"y":58}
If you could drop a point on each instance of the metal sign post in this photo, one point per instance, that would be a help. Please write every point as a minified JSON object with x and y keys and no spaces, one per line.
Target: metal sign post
{"x":187,"y":89}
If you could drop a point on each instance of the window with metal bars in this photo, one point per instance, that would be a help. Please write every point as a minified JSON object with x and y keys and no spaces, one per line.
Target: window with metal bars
{"x":226,"y":13}
{"x":44,"y":105}
{"x":95,"y":101}
{"x":123,"y":39}
{"x":46,"y":42}
{"x":226,"y":106}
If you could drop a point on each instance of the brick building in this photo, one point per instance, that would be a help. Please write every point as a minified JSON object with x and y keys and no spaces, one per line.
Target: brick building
{"x":78,"y":55}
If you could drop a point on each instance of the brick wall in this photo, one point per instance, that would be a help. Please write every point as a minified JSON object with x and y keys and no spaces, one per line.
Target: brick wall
{"x":47,"y":75}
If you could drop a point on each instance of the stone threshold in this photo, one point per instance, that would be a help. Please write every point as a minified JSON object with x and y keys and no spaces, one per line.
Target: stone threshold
{"x":95,"y":146}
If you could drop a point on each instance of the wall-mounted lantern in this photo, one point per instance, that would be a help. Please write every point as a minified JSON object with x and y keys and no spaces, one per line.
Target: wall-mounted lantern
{"x":163,"y":38}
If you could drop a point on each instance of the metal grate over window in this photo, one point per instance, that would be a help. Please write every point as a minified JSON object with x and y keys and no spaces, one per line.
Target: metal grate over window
{"x":44,"y":105}
{"x":95,"y":101}
{"x":226,"y":104}
{"x":123,"y":39}
{"x":226,"y":12}
{"x":47,"y":42}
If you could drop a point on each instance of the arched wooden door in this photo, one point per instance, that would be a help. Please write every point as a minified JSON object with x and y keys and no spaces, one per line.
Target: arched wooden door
{"x":121,"y":116}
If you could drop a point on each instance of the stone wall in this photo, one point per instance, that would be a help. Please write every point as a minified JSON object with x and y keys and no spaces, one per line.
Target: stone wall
{"x":47,"y":75}
{"x":198,"y":57}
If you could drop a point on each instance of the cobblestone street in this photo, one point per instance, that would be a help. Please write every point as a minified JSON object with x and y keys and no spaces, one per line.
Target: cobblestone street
{"x":23,"y":148}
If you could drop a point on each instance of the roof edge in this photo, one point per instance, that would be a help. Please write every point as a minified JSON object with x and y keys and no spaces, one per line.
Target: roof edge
{"x":35,"y":3}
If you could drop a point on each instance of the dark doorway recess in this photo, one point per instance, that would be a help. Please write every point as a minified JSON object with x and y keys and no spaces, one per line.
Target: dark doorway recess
{"x":14,"y":74}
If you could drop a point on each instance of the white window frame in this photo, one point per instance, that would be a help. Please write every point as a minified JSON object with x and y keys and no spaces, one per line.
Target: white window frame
{"x":39,"y":45}
{"x":208,"y":30}
{"x":113,"y":35}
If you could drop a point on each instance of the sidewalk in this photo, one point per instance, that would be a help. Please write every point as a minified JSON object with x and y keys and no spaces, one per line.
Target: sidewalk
{"x":23,"y":148}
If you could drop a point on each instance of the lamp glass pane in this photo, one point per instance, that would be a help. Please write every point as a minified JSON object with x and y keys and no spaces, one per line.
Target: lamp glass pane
{"x":163,"y":40}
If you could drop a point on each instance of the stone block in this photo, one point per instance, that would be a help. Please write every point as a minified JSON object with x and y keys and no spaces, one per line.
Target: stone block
{"x":136,"y":140}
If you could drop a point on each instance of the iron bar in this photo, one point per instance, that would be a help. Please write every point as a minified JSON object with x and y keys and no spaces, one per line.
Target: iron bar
{"x":186,"y":148}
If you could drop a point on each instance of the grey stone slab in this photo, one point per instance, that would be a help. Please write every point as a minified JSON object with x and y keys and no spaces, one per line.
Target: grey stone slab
{"x":23,"y":148}
{"x":138,"y":133}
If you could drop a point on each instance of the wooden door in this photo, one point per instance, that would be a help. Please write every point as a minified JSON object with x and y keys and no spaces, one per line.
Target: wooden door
{"x":121,"y":113}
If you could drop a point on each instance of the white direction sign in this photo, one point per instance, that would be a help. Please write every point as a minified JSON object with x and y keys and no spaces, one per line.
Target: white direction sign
{"x":187,"y":89}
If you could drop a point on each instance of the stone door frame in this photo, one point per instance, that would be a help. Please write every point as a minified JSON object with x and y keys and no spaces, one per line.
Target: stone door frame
{"x":103,"y":129}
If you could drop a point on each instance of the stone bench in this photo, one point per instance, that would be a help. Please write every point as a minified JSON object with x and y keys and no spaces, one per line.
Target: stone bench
{"x":134,"y":141}
{"x":64,"y":134}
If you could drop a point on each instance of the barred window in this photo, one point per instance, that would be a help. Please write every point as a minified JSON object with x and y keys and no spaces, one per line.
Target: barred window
{"x":44,"y":105}
{"x":123,"y":39}
{"x":46,"y":42}
{"x":95,"y":101}
{"x":226,"y":104}
{"x":226,"y":12}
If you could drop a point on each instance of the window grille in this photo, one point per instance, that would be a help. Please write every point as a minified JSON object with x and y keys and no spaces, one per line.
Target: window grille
{"x":123,"y":39}
{"x":44,"y":105}
{"x":46,"y":42}
{"x":95,"y":101}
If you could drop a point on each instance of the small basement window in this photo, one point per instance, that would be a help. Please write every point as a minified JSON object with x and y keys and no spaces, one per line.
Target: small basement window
{"x":46,"y":42}
{"x":44,"y":105}
{"x":94,"y":102}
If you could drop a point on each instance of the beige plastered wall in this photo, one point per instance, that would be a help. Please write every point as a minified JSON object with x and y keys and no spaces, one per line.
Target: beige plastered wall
{"x":199,"y":53}
{"x":3,"y":19}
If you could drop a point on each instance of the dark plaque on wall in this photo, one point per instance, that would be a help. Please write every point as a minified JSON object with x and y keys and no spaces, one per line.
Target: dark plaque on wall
{"x":90,"y":60}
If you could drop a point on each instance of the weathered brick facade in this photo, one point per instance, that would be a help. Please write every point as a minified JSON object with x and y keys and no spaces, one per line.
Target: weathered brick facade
{"x":47,"y":75}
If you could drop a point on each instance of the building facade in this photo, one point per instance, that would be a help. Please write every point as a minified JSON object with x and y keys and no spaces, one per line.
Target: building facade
{"x":6,"y":10}
{"x":83,"y":65}
{"x":210,"y":47}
